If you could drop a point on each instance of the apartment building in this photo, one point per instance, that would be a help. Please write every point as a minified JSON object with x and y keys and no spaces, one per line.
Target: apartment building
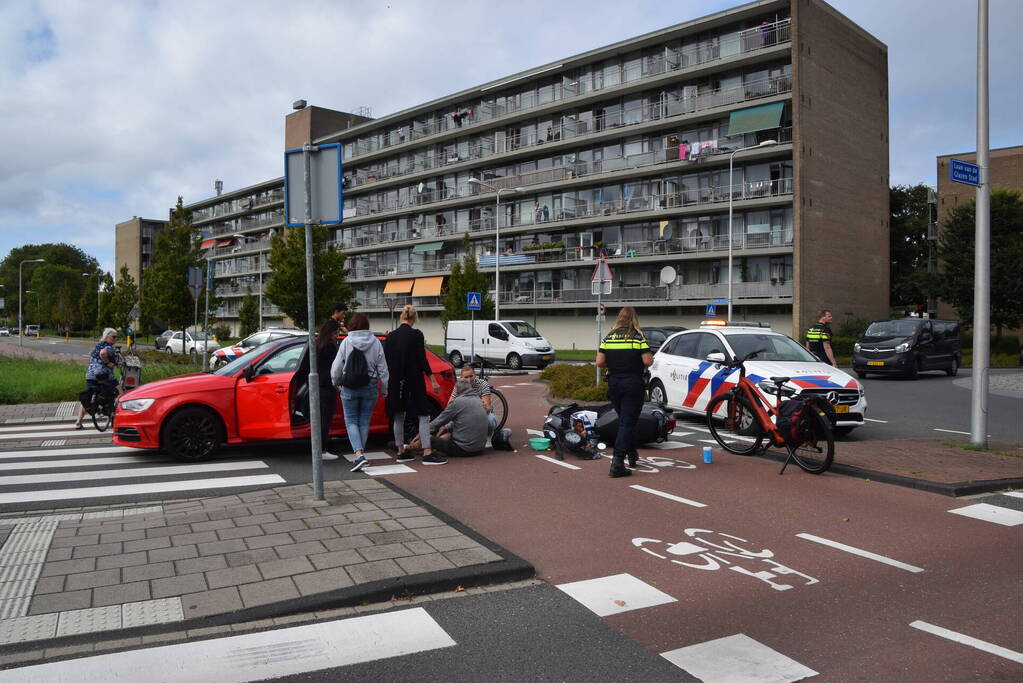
{"x":623,"y":151}
{"x":134,"y":243}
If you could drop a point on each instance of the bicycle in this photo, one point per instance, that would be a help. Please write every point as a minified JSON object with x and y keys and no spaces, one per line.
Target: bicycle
{"x":498,"y":403}
{"x":748,"y":424}
{"x":102,"y":404}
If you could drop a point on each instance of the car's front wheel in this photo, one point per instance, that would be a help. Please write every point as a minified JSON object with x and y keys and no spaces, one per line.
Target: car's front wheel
{"x":192,"y":434}
{"x":657,"y":394}
{"x":514,"y":361}
{"x":953,"y":369}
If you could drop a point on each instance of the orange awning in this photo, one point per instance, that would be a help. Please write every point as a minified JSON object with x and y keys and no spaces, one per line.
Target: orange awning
{"x":428,"y":286}
{"x":206,"y":244}
{"x":399,"y":286}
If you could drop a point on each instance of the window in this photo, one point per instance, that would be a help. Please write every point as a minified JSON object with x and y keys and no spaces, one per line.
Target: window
{"x":283,"y":361}
{"x":708,"y":344}
{"x":685,"y":345}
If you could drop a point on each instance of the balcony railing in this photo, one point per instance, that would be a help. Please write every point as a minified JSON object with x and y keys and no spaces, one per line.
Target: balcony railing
{"x":728,"y":45}
{"x":236,"y":205}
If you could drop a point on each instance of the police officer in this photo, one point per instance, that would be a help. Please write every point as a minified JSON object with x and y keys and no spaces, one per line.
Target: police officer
{"x":818,"y":338}
{"x":626,"y":354}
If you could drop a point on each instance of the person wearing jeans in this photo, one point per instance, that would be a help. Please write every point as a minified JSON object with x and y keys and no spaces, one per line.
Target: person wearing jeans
{"x":358,"y":402}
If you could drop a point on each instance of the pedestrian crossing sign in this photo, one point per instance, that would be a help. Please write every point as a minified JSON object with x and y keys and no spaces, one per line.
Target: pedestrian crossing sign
{"x":711,"y":310}
{"x":473,"y":301}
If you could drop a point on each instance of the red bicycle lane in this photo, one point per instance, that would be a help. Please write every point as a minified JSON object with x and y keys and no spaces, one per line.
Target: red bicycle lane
{"x":720,"y":541}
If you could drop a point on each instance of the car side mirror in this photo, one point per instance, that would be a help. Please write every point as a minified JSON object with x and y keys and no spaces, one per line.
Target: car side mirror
{"x":249,"y":372}
{"x":716,"y":357}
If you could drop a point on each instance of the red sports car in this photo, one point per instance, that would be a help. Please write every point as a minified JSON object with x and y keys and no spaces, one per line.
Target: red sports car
{"x":260,"y":396}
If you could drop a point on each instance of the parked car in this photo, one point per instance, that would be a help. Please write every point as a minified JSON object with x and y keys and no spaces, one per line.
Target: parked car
{"x":908,"y":346}
{"x":260,"y":396}
{"x":161,"y":341}
{"x":683,"y":379}
{"x":655,"y":336}
{"x":190,"y":342}
{"x":256,"y":339}
{"x":4,"y":332}
{"x":31,"y":330}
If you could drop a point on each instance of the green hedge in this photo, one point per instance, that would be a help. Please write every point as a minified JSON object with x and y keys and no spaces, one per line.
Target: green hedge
{"x":575,"y":382}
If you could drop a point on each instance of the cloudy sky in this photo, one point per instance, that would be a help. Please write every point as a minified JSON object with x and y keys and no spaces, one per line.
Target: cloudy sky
{"x":112,"y":109}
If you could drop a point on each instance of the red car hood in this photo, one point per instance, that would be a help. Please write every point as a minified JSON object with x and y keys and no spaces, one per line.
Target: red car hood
{"x":183,"y":384}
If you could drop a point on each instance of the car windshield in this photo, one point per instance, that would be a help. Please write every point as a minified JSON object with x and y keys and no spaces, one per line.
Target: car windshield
{"x":893,"y":328}
{"x":776,"y":347}
{"x":241,"y":361}
{"x":654,"y":336}
{"x":199,"y":336}
{"x":520,"y":329}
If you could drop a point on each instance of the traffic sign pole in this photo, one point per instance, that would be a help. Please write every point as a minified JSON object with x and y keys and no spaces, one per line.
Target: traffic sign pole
{"x":474,"y":302}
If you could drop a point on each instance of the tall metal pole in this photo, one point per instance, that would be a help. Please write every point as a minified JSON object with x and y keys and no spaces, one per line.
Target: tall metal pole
{"x":982,"y":253}
{"x":21,"y":318}
{"x":731,"y":157}
{"x":497,"y":256}
{"x":259,"y":258}
{"x":316,"y":442}
{"x":206,"y":317}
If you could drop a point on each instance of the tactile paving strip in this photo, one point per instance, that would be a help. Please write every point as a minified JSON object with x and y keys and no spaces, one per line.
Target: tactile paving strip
{"x":22,"y":629}
{"x":16,"y":606}
{"x":67,"y":409}
{"x":54,"y":442}
{"x":17,"y":572}
{"x":18,"y":589}
{"x":146,"y":612}
{"x":27,"y":557}
{"x":78,"y":621}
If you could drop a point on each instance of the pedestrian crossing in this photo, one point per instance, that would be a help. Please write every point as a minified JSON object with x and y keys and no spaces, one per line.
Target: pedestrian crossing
{"x":1004,"y":509}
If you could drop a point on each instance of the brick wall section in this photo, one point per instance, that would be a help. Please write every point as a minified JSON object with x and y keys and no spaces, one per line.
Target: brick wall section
{"x":840,"y":156}
{"x":313,"y":123}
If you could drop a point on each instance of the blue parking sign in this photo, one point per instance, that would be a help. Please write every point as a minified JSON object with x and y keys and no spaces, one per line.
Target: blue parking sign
{"x":473,"y":301}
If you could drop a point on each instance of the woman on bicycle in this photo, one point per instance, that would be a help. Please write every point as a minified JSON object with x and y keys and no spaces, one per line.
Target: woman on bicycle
{"x":101,"y":369}
{"x":626,"y":354}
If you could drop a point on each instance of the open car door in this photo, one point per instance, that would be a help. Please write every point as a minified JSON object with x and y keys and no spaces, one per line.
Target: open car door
{"x":263,"y":395}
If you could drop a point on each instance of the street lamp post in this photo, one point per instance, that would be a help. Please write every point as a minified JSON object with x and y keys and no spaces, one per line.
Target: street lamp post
{"x":731,"y":157}
{"x":497,"y":239}
{"x":259,"y":258}
{"x":21,"y":320}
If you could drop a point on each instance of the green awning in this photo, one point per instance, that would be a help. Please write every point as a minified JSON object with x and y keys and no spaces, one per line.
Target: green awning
{"x":755,"y":118}
{"x":429,"y":246}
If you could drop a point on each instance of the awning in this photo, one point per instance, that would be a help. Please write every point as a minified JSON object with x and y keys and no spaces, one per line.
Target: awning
{"x":755,"y":118}
{"x":225,"y":241}
{"x":429,"y":246}
{"x":206,"y":244}
{"x":428,"y":286}
{"x":399,"y":286}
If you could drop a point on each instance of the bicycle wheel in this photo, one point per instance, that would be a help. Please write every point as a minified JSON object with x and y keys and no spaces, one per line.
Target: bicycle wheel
{"x":499,"y":406}
{"x":816,"y":453}
{"x":733,"y":424}
{"x":103,"y":416}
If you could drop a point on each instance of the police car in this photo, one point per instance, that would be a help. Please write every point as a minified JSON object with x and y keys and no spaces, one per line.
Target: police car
{"x":682,"y":379}
{"x":229,"y":353}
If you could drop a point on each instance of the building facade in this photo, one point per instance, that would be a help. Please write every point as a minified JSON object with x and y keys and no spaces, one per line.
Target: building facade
{"x":624,"y":152}
{"x":134,"y":243}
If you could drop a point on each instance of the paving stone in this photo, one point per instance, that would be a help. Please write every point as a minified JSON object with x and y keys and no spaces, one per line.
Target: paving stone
{"x":74,"y":541}
{"x":56,"y":602}
{"x":358,"y":529}
{"x":65,"y":532}
{"x":233,"y":576}
{"x":420,"y":564}
{"x":239,"y":532}
{"x":145,"y":572}
{"x":268,"y":508}
{"x":214,"y":525}
{"x":322,"y":581}
{"x":313,"y":534}
{"x":222,"y":547}
{"x":250,"y":557}
{"x":471,"y":556}
{"x":295,"y":514}
{"x":21,"y":657}
{"x":374,"y":571}
{"x":368,"y":516}
{"x":403,"y":512}
{"x":122,"y":536}
{"x":346,"y":543}
{"x":194,"y":538}
{"x":452,"y":543}
{"x":285,"y":526}
{"x":178,"y":585}
{"x":121,"y":593}
{"x":200,"y":564}
{"x":97,"y":550}
{"x":144,"y":524}
{"x":222,"y":513}
{"x":182,"y":552}
{"x":267,"y":541}
{"x":106,"y":577}
{"x":197,"y":517}
{"x":155,"y":638}
{"x":420,"y":547}
{"x":174,"y":530}
{"x":51,"y":584}
{"x":86,"y":564}
{"x":336,"y":559}
{"x":395,"y":503}
{"x":261,"y":624}
{"x":58,"y":554}
{"x":150,"y":612}
{"x":248,"y":519}
{"x":91,"y":530}
{"x":118,"y":644}
{"x":420,"y":522}
{"x":286,"y":567}
{"x":128,"y":560}
{"x":147,"y":544}
{"x":383,"y":552}
{"x":296,"y":549}
{"x":67,"y":650}
{"x":266,"y":592}
{"x":200,"y":633}
{"x":390,"y":525}
{"x":385,"y":537}
{"x":436,"y":532}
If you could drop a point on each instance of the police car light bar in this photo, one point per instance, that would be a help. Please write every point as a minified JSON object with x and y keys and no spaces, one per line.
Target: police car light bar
{"x":722,"y":323}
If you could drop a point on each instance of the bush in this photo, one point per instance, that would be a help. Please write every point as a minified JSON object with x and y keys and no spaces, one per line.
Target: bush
{"x":150,"y":357}
{"x":574,"y":382}
{"x":222,"y":332}
{"x":842,"y":346}
{"x":853,"y":327}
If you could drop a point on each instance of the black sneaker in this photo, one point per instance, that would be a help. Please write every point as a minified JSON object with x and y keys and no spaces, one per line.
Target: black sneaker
{"x":407,"y":456}
{"x":434,"y":459}
{"x":623,"y":472}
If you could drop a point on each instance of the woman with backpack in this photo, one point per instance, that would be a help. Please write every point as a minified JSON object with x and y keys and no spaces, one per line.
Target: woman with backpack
{"x":405,"y":349}
{"x":358,"y":368}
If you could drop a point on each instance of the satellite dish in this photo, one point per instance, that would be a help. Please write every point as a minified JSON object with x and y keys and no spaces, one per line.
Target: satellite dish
{"x":668,"y":275}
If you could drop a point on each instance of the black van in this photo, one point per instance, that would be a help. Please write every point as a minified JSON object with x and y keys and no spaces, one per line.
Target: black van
{"x":908,"y":347}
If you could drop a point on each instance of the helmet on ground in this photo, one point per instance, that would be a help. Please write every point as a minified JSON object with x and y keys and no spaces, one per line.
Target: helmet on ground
{"x":502,"y":440}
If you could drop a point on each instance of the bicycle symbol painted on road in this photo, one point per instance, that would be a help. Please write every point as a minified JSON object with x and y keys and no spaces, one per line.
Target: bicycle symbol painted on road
{"x":715,"y":556}
{"x":655,"y":463}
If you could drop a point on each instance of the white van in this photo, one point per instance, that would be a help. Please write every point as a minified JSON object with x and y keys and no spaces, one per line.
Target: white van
{"x":514,"y":343}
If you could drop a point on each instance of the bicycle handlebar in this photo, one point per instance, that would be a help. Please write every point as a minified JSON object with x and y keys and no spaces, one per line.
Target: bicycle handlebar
{"x":740,"y":361}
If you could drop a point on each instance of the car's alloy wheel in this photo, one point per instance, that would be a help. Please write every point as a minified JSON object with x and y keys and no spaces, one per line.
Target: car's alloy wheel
{"x":514,"y":361}
{"x":191,"y":434}
{"x":657,"y":394}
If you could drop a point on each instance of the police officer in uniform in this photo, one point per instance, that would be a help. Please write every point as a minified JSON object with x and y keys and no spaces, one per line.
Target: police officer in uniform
{"x":818,"y":339}
{"x":626,"y":354}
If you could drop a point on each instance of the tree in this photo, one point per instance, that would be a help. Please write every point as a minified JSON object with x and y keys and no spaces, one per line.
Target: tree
{"x":124,"y":298}
{"x":68,"y":258}
{"x":165,"y":293}
{"x":248,"y":314}
{"x":910,"y":213}
{"x":287,"y":285}
{"x":87,"y":303}
{"x":956,"y":251}
{"x":466,"y":277}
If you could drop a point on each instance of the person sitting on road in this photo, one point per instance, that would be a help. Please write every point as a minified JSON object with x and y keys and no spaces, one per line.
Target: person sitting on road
{"x":477,"y":387}
{"x":99,"y":376}
{"x":466,"y":420}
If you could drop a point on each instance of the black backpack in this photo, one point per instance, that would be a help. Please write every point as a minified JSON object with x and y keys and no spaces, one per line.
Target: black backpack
{"x":356,"y":373}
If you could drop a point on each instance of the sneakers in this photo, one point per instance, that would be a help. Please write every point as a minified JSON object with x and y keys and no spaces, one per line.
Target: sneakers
{"x":405,"y":456}
{"x":433,"y":459}
{"x":359,"y":463}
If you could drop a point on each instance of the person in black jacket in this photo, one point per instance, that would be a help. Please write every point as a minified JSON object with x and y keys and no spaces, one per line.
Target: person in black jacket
{"x":326,"y":350}
{"x":408,"y":367}
{"x":626,"y":354}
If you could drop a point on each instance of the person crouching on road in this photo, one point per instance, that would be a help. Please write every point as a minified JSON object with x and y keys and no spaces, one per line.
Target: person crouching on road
{"x":358,"y":403}
{"x":626,"y":354}
{"x":466,"y":420}
{"x":480,"y":388}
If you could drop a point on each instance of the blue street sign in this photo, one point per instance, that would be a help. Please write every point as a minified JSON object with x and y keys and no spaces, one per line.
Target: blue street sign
{"x":711,"y":311}
{"x":473,"y":301}
{"x":964,"y":172}
{"x":721,"y":301}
